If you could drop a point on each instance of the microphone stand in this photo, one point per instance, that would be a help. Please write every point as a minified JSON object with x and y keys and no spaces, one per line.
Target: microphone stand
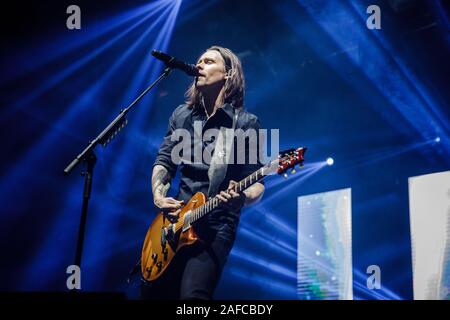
{"x":88,"y":157}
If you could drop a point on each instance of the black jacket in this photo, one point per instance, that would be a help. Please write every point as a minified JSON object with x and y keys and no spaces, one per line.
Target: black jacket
{"x":194,"y":176}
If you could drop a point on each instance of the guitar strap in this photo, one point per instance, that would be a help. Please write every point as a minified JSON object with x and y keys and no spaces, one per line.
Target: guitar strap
{"x":221,"y":156}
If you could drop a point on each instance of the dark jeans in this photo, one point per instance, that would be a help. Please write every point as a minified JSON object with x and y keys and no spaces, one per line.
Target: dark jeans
{"x":195,"y":272}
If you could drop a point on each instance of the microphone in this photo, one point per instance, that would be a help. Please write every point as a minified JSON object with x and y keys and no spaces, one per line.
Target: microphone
{"x":171,"y":62}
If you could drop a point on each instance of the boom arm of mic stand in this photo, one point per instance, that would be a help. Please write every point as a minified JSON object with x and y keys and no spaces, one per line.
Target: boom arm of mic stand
{"x":113,"y":128}
{"x":88,"y":156}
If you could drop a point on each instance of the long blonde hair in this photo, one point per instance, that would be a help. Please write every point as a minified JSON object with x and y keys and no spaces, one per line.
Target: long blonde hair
{"x":234,"y":87}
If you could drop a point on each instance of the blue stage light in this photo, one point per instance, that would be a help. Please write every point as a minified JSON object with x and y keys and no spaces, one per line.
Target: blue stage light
{"x":51,"y":254}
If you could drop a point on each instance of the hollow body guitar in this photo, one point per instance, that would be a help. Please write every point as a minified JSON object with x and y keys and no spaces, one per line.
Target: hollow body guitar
{"x":165,"y":238}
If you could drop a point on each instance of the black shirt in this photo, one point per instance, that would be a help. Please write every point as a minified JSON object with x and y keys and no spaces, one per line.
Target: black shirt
{"x":194,"y":177}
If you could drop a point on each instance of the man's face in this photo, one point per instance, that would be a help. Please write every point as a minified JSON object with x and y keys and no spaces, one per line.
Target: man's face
{"x":212,"y":70}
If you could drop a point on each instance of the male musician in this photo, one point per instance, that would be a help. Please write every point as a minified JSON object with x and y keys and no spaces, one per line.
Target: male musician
{"x":215,"y":99}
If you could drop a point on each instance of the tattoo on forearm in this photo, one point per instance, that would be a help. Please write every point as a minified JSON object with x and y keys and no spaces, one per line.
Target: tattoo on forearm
{"x":160,"y":181}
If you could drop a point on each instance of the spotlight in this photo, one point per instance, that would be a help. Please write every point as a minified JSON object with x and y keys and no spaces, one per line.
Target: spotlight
{"x":438,"y":139}
{"x":330,"y":161}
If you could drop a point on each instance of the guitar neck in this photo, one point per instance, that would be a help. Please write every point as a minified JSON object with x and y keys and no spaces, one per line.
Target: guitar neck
{"x":214,"y":202}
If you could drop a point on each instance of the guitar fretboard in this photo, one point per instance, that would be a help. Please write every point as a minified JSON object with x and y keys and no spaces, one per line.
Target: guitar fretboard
{"x":214,"y":202}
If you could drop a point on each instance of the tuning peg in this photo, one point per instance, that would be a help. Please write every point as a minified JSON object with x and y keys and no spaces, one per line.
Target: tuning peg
{"x":285,"y":175}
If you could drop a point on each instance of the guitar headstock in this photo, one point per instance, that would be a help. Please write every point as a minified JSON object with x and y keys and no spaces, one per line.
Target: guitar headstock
{"x":287,"y":159}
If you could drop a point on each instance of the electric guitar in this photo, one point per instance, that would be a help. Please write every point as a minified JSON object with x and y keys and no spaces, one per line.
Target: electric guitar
{"x":166,"y":238}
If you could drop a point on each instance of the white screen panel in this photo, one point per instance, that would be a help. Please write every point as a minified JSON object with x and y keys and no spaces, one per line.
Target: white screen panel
{"x":324,"y":263}
{"x":429,"y":210}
